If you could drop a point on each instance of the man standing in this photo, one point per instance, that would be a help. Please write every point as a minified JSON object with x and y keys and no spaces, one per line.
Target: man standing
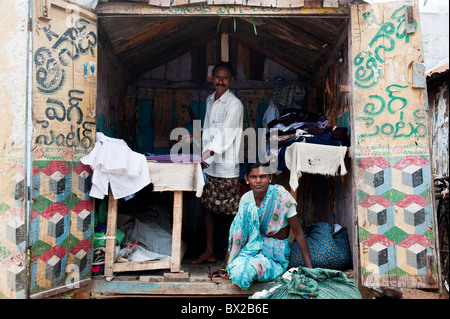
{"x":221,"y":140}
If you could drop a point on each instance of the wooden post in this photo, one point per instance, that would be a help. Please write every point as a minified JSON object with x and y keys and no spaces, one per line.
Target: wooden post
{"x":291,"y":234}
{"x":176,"y":231}
{"x":224,"y":41}
{"x":110,"y":247}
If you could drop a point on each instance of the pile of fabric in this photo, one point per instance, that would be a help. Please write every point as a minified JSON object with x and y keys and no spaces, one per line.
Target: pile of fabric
{"x":295,"y":125}
{"x":151,"y":229}
{"x":311,"y":283}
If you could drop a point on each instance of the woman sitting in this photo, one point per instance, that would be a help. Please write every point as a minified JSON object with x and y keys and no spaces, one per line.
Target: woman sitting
{"x":258,"y":244}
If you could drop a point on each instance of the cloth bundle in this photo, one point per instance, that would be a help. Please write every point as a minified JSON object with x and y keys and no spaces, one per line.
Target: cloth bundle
{"x":328,"y":248}
{"x":311,"y":283}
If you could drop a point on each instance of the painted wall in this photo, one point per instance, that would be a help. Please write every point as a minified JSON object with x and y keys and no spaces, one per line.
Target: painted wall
{"x":438,"y":113}
{"x":435,"y":31}
{"x":395,"y":213}
{"x":64,"y":109}
{"x":13,"y":106}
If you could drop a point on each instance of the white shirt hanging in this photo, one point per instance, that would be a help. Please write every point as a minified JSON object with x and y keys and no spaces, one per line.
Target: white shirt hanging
{"x":115,"y":164}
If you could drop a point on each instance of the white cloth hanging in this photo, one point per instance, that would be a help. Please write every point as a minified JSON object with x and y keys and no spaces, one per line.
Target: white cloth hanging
{"x":115,"y":164}
{"x":314,"y":159}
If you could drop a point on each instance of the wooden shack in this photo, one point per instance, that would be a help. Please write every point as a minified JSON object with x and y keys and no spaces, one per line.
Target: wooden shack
{"x":135,"y":70}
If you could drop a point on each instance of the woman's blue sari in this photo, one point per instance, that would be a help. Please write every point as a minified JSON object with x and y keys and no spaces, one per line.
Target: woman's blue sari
{"x":252,"y":254}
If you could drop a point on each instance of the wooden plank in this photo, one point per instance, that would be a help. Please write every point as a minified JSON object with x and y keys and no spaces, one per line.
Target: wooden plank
{"x":295,"y":34}
{"x":243,"y":66}
{"x":224,"y":47}
{"x":194,"y":85}
{"x":162,"y":106}
{"x":224,"y":40}
{"x":199,"y":272}
{"x":102,"y":288}
{"x":162,"y":48}
{"x":137,"y":266}
{"x":294,"y":195}
{"x":150,"y":278}
{"x":330,"y":3}
{"x":163,"y":28}
{"x":159,"y":3}
{"x":290,"y":3}
{"x":77,"y":9}
{"x":313,"y":3}
{"x":143,"y":9}
{"x":176,"y":277}
{"x":198,"y":63}
{"x":176,"y":231}
{"x":111,"y":225}
{"x":254,"y":44}
{"x":70,"y":288}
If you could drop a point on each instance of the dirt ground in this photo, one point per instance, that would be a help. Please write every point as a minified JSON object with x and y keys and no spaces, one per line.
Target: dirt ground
{"x":423,"y":294}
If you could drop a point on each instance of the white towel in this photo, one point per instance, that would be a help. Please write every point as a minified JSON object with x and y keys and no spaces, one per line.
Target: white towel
{"x":177,"y":176}
{"x":115,"y":164}
{"x":314,"y":159}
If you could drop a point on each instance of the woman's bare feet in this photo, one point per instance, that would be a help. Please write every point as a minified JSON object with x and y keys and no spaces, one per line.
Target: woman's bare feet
{"x":205,"y":258}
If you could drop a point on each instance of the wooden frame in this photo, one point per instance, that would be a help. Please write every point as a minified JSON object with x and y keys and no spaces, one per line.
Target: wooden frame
{"x":177,"y":250}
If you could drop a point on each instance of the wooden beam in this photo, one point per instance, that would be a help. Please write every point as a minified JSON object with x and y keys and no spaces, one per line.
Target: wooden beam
{"x":243,"y":63}
{"x":333,"y":49}
{"x":70,"y":288}
{"x":142,"y":37}
{"x":219,"y":287}
{"x":238,"y":84}
{"x":253,"y":43}
{"x":143,"y":9}
{"x":137,"y":66}
{"x":293,"y":34}
{"x":136,"y":266}
{"x":158,"y":30}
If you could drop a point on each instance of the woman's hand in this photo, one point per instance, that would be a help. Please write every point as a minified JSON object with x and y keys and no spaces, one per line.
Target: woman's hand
{"x":215,"y":272}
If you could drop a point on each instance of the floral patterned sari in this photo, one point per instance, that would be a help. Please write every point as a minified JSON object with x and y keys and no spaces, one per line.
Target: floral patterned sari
{"x":252,"y":254}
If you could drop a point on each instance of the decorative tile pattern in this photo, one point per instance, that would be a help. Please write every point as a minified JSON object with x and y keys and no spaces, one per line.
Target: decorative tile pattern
{"x":392,"y":157}
{"x":396,"y":228}
{"x":63,"y":120}
{"x":61,"y":223}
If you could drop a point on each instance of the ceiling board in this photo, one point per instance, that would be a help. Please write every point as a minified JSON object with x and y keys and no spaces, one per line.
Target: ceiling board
{"x":297,"y":43}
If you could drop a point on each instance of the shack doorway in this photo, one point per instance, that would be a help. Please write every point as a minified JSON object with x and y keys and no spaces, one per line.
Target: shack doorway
{"x":144,"y":71}
{"x":168,"y":85}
